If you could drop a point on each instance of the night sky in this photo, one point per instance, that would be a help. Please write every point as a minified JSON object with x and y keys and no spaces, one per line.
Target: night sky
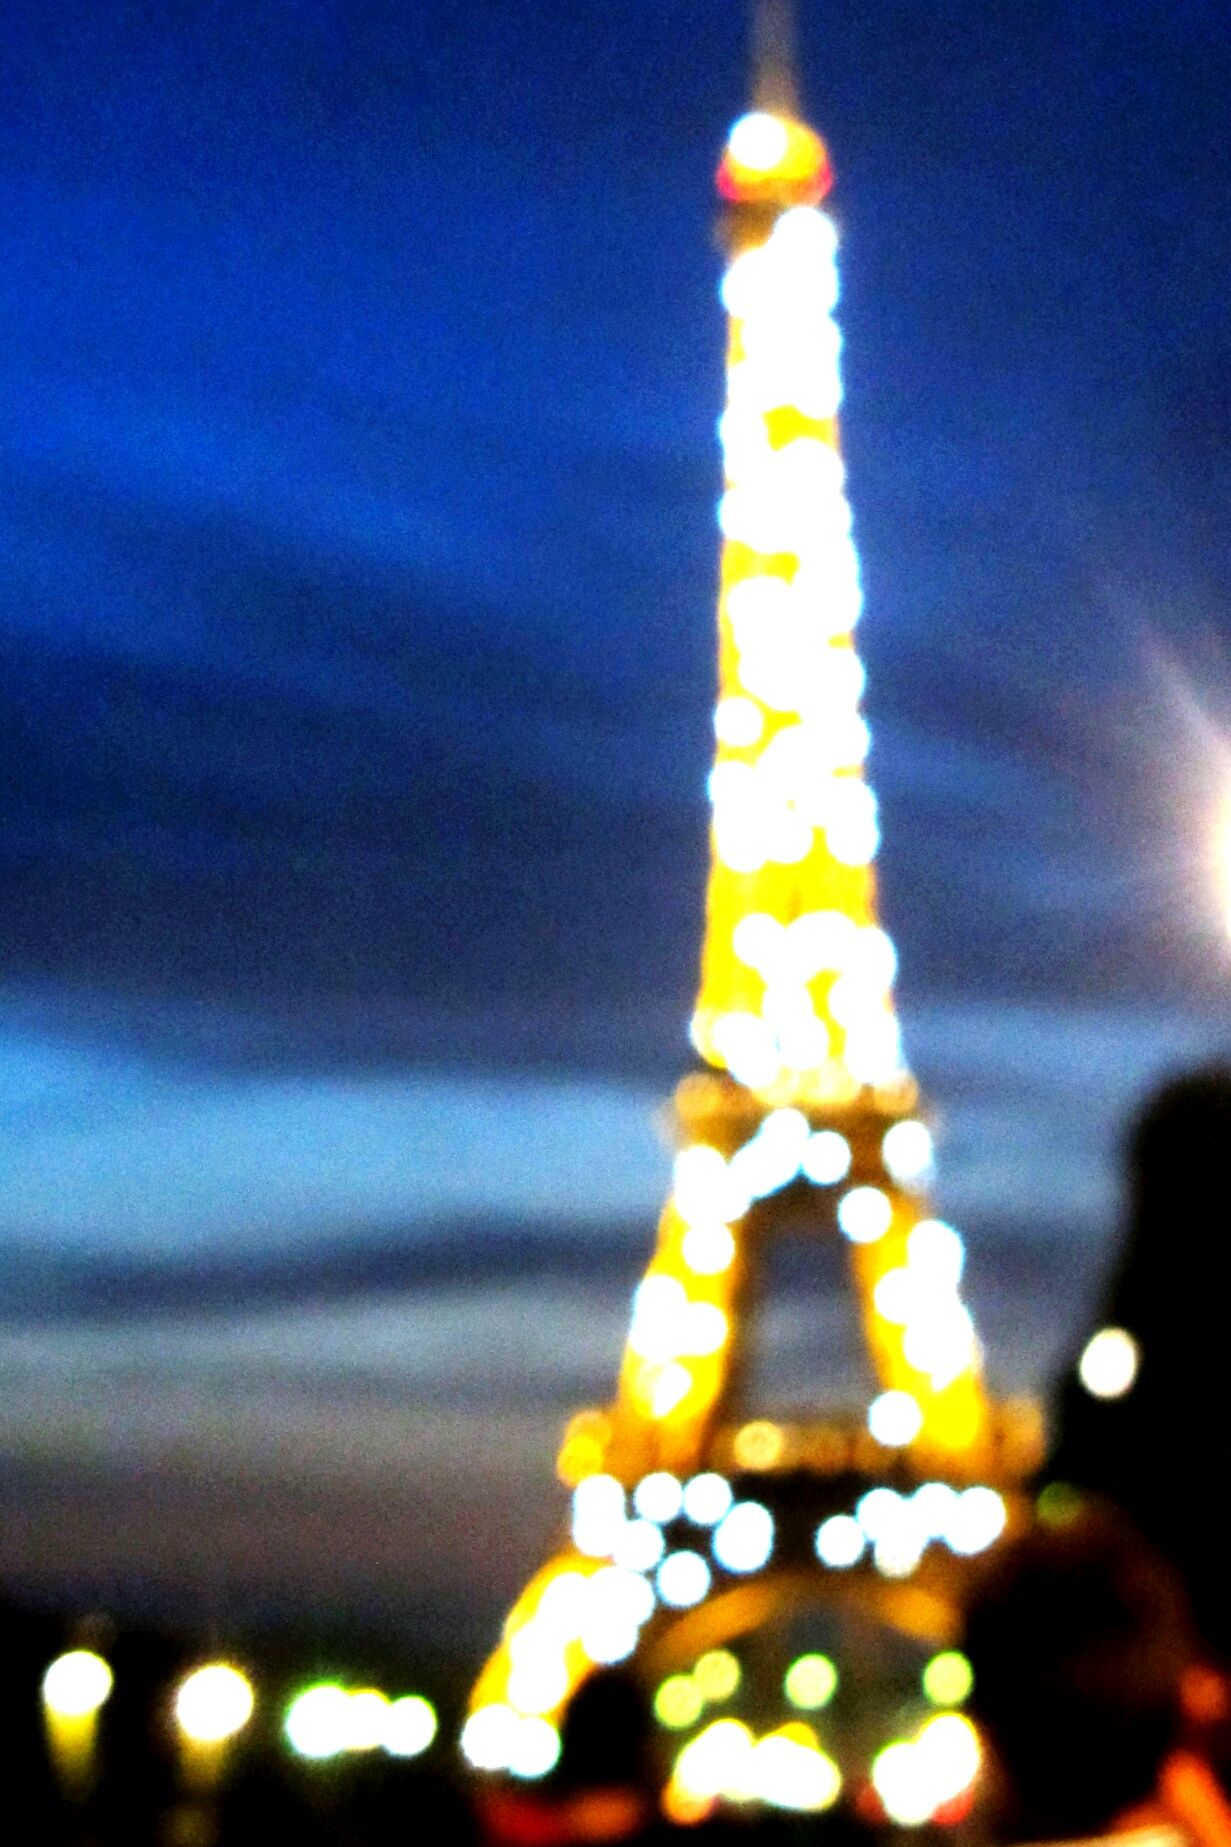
{"x":360,"y":366}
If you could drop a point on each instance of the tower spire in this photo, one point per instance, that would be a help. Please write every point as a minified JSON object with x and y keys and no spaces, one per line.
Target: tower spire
{"x":775,"y":80}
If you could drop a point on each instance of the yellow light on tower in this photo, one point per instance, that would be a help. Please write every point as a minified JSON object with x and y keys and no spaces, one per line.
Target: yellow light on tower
{"x":678,"y":1702}
{"x":772,"y":156}
{"x":948,"y":1678}
{"x":811,"y":1682}
{"x":717,"y":1675}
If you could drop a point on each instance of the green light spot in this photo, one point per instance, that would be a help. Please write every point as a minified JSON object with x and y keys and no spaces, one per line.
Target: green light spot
{"x":948,"y":1678}
{"x":316,"y":1721}
{"x":717,"y":1674}
{"x":678,"y":1702}
{"x":810,"y":1682}
{"x":1059,"y":1504}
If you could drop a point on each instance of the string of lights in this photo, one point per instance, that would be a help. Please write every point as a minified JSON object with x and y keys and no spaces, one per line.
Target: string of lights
{"x":216,"y":1701}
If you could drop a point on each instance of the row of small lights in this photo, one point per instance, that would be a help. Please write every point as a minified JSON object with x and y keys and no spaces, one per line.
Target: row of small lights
{"x":892,"y":1527}
{"x":602,"y":1609}
{"x":215,"y":1703}
{"x":783,"y":1147}
{"x":809,"y":1684}
{"x":914,"y":1779}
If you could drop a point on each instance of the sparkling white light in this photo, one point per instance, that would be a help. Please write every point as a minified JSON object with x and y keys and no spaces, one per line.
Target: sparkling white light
{"x":895,"y":1419}
{"x":1109,"y":1363}
{"x":683,"y":1579}
{"x":744,"y":1540}
{"x":907,"y":1149}
{"x":864,"y":1214}
{"x":598,"y":1515}
{"x":758,"y":141}
{"x":827,"y":1158}
{"x":707,"y":1498}
{"x":840,"y":1541}
{"x":658,"y":1497}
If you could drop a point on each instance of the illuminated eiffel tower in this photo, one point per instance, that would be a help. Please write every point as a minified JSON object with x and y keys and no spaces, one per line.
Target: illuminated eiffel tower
{"x":695,"y":1520}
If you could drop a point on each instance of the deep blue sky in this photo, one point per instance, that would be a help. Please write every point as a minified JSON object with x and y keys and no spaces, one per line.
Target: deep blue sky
{"x":360,"y":366}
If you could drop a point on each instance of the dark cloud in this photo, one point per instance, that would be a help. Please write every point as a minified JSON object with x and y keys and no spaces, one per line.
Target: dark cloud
{"x":360,"y":1264}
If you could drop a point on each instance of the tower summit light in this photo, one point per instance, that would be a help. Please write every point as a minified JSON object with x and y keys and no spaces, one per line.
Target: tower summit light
{"x":801,"y":1116}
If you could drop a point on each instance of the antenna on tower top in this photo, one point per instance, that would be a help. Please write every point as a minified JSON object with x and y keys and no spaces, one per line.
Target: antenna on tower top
{"x":775,"y":83}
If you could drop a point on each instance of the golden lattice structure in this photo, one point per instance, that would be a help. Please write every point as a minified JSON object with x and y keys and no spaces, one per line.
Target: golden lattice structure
{"x":696,"y":1518}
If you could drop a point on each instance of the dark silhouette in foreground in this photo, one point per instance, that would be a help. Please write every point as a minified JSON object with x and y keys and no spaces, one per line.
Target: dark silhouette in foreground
{"x":1156,"y":1451}
{"x":1080,"y":1640}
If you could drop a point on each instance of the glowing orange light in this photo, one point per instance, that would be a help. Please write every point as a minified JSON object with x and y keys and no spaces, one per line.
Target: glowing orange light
{"x":1205,"y":1695}
{"x":774,"y":160}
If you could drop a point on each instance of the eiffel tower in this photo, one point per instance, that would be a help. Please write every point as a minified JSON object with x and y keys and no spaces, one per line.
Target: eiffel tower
{"x":696,"y":1519}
